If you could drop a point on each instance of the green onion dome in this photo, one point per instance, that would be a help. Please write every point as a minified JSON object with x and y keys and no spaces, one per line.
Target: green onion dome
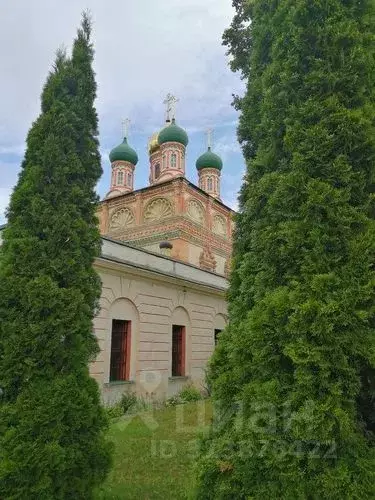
{"x":123,"y":152}
{"x":173,"y":133}
{"x":209,"y":160}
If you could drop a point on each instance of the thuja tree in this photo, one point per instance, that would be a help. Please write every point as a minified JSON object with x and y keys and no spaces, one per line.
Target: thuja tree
{"x":293,"y":376}
{"x":52,"y":443}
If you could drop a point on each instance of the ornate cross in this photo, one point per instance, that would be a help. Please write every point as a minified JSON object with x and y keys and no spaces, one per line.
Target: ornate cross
{"x":125,"y":127}
{"x":209,"y":137}
{"x":170,"y":102}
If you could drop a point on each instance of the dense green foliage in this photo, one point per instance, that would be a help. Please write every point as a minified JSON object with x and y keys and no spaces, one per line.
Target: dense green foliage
{"x":52,"y":443}
{"x":293,"y":376}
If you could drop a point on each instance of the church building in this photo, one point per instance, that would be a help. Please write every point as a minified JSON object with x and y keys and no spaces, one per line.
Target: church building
{"x":164,"y":266}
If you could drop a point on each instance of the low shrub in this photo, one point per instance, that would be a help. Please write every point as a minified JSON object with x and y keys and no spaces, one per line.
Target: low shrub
{"x":173,"y":401}
{"x":114,"y":411}
{"x":128,"y":401}
{"x":188,"y":394}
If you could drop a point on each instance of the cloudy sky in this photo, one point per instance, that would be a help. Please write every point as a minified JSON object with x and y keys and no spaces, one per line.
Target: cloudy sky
{"x":144,"y":49}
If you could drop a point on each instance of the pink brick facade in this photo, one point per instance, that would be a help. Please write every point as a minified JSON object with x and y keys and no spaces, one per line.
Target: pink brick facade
{"x":198,"y":225}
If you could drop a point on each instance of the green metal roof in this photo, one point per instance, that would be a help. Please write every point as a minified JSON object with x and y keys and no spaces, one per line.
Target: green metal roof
{"x":173,"y":133}
{"x":123,"y":152}
{"x":209,"y":160}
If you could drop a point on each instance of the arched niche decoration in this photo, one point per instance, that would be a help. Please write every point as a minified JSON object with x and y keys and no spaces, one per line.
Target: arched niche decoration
{"x":157,"y":209}
{"x":122,"y":219}
{"x":219,"y":225}
{"x":195,"y":211}
{"x":180,"y":316}
{"x":220,"y":322}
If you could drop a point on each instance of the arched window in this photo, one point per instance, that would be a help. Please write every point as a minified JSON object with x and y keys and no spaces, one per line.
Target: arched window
{"x":209,"y":184}
{"x":164,"y":163}
{"x":120,"y":178}
{"x":157,"y":170}
{"x":173,"y":160}
{"x":129,"y":179}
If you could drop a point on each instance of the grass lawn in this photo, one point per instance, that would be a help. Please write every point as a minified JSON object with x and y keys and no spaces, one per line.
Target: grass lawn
{"x":155,"y":453}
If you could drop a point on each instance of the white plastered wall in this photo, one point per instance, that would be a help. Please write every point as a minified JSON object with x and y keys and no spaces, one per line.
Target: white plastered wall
{"x":154,"y":304}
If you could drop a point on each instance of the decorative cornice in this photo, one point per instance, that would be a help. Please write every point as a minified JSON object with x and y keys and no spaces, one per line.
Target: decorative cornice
{"x":208,"y":171}
{"x":169,"y":145}
{"x":185,"y":183}
{"x":167,"y":232}
{"x":121,"y":163}
{"x":178,"y":222}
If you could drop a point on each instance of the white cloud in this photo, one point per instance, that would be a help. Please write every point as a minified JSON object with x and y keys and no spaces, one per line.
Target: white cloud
{"x":225,"y":146}
{"x":12,"y":149}
{"x":144,"y":49}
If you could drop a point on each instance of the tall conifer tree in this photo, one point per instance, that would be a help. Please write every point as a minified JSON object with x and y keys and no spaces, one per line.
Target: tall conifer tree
{"x":293,"y":376}
{"x":52,"y":443}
